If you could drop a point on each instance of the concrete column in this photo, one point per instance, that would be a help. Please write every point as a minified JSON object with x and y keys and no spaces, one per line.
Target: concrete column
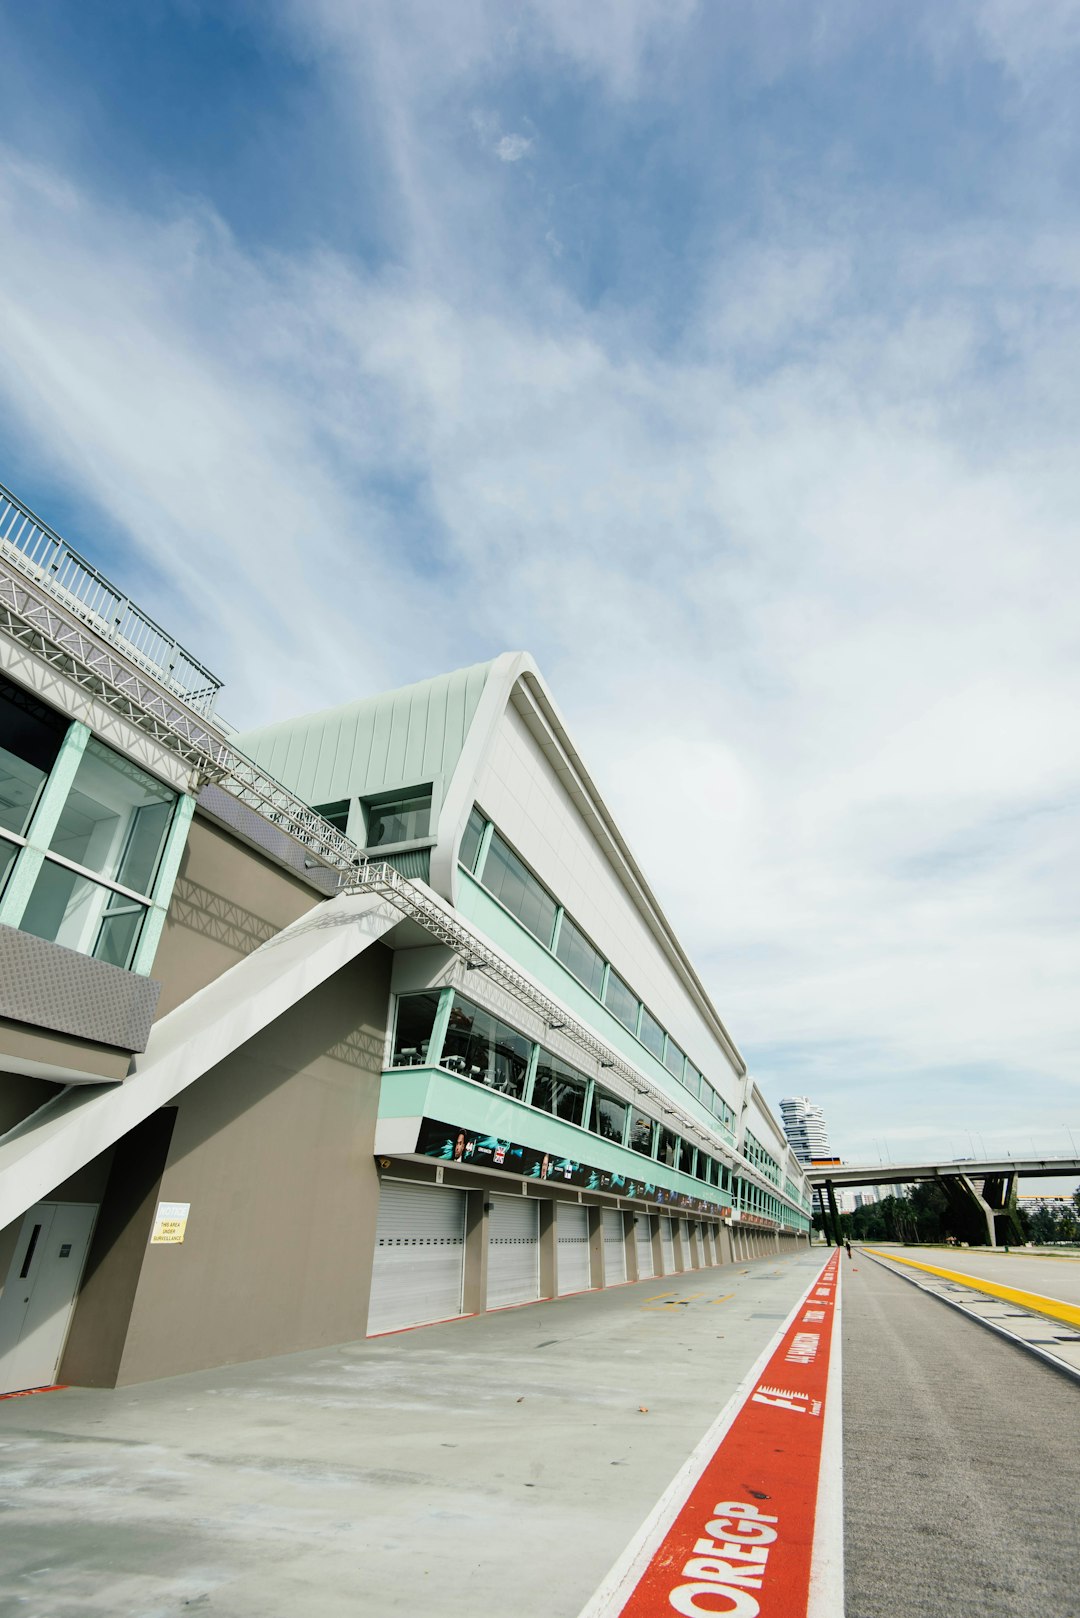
{"x":548,"y":1251}
{"x":631,"y":1246}
{"x":726,"y":1250}
{"x":680,"y":1246}
{"x":596,"y":1248}
{"x":474,"y":1293}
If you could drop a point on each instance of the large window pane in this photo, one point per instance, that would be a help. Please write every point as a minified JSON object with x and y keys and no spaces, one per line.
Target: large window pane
{"x":641,"y":1133}
{"x":115,"y":819}
{"x":620,"y":1001}
{"x":336,"y":813}
{"x":8,"y":853}
{"x":651,"y":1034}
{"x":672,"y":1152}
{"x":30,"y":737}
{"x":608,"y":1115}
{"x":482,"y":1048}
{"x":674,"y":1060}
{"x":576,"y":953}
{"x":471,"y":839}
{"x":559,"y":1089}
{"x":412,"y":1032}
{"x":82,"y":915}
{"x":516,"y":887}
{"x":401,"y":819}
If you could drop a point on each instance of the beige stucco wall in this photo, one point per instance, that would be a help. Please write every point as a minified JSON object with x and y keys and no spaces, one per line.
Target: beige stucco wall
{"x":273,"y":1150}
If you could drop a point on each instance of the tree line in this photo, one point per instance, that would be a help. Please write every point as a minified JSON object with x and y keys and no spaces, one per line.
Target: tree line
{"x":924,"y":1213}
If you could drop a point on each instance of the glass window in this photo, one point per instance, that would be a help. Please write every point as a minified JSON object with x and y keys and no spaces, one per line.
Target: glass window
{"x":336,"y":813}
{"x":412,"y":1034}
{"x":651,"y":1034}
{"x":400,"y":819}
{"x":516,"y":887}
{"x":30,"y":737}
{"x":471,"y":839}
{"x":82,"y":915}
{"x":559,"y":1089}
{"x":674,"y":1060}
{"x":480,"y":1047}
{"x":608,"y":1115}
{"x":621,"y":1001}
{"x":671,"y":1149}
{"x":115,"y":819}
{"x":641,"y":1133}
{"x":694,"y":1082}
{"x":577,"y":954}
{"x":8,"y":852}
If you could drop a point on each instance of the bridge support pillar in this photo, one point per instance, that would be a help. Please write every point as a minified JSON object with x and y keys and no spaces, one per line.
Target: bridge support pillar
{"x":834,"y":1214}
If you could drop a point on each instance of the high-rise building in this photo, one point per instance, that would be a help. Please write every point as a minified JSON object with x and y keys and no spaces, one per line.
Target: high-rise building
{"x":804,"y":1126}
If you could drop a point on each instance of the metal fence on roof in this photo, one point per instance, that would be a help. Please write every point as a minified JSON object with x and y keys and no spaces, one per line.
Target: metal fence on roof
{"x":38,"y":551}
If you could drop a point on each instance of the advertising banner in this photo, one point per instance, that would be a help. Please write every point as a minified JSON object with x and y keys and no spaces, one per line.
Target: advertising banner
{"x":450,"y":1143}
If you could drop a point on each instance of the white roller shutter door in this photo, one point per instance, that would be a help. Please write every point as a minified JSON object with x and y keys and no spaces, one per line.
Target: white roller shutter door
{"x":513,"y":1251}
{"x":419,"y":1256}
{"x":643,"y":1239}
{"x":699,"y":1248}
{"x":667,"y":1244}
{"x":614,"y":1247}
{"x":572,"y":1247}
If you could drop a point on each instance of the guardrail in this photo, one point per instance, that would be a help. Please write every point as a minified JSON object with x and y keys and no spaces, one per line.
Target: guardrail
{"x":39,"y":551}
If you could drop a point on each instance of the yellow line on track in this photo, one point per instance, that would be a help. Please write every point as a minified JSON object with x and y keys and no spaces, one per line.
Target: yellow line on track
{"x":725,"y":1298}
{"x":1054,"y":1307}
{"x":659,"y":1295}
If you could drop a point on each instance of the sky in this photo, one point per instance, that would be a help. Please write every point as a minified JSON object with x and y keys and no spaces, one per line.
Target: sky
{"x":725,"y":356}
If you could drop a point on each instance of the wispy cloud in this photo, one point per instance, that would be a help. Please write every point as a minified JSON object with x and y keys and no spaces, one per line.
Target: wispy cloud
{"x":782,"y":494}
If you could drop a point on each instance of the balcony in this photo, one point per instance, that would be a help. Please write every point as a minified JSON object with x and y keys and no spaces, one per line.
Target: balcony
{"x":38,"y":551}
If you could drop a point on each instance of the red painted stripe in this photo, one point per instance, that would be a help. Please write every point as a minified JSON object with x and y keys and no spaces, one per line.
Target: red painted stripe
{"x":24,"y":1393}
{"x":742,"y":1542}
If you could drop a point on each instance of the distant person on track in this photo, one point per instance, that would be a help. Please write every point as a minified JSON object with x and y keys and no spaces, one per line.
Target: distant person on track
{"x":847,"y":1244}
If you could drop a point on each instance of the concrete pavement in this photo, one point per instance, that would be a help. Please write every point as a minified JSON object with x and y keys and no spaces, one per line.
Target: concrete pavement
{"x":496,"y":1465}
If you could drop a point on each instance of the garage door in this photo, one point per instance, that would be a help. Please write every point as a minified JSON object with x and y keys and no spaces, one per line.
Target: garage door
{"x":419,"y":1256}
{"x":513,"y":1251}
{"x":667,"y":1244}
{"x":572,"y":1227}
{"x":643,"y":1240}
{"x":614,"y":1247}
{"x":699,"y":1248}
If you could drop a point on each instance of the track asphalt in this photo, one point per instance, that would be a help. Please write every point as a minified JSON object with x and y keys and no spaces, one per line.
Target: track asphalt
{"x":961,"y":1463}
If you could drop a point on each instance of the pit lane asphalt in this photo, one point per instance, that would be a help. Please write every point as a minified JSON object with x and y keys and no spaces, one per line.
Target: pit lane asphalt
{"x":961,"y":1463}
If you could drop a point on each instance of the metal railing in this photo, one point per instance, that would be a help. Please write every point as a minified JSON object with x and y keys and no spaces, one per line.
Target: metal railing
{"x":49,"y":631}
{"x":40,"y":552}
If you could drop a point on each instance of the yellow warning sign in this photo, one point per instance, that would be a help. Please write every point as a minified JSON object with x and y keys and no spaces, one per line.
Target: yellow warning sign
{"x":170,"y":1222}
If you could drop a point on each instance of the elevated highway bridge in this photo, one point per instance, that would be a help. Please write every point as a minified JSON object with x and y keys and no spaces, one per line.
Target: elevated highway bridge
{"x":984,"y":1188}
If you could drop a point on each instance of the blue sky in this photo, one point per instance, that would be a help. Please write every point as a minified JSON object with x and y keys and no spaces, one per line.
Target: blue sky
{"x":723,"y":355}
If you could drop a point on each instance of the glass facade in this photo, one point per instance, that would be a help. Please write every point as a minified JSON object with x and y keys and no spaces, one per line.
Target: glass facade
{"x":482,"y":1048}
{"x":515,"y":887}
{"x":400,"y":819}
{"x":471,"y":839}
{"x":608,"y":1115}
{"x":413,"y":1029}
{"x":621,"y":1001}
{"x":91,"y":889}
{"x":651,"y":1034}
{"x":30,"y":738}
{"x":578,"y":956}
{"x":114,"y":820}
{"x":336,"y":813}
{"x":559,"y":1089}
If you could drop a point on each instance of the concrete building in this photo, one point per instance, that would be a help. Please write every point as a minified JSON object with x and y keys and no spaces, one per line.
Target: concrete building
{"x":358,"y":1021}
{"x":804,"y":1127}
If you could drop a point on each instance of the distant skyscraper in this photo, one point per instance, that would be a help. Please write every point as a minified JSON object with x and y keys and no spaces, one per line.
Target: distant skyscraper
{"x":804,"y":1126}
